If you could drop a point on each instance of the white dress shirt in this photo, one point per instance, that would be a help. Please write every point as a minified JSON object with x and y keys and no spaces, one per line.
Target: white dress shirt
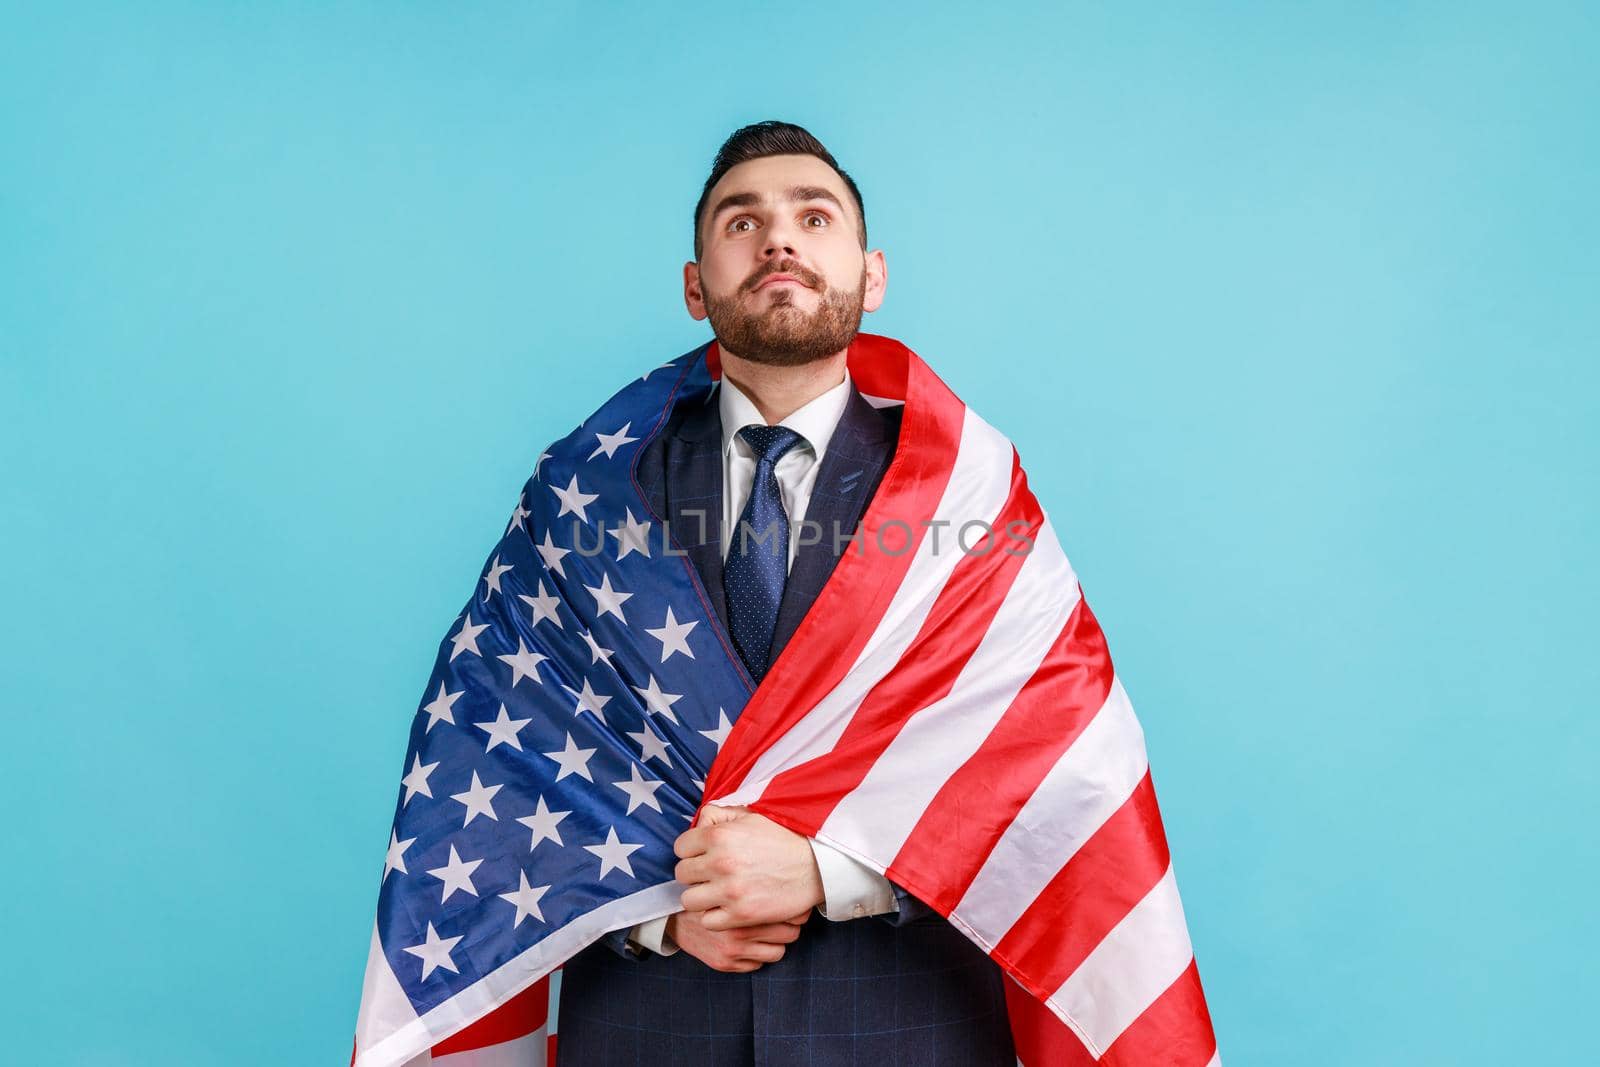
{"x":850,"y":889}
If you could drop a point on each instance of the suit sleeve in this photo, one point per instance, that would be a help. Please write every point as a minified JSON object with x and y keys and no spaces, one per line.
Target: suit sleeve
{"x":617,"y":940}
{"x":908,"y":908}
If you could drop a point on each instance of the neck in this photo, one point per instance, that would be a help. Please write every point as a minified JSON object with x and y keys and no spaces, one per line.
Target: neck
{"x":779,"y":392}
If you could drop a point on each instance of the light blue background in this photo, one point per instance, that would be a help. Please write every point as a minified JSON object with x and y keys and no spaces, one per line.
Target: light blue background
{"x":1291,"y":313}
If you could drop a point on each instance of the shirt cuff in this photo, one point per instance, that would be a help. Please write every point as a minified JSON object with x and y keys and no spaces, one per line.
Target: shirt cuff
{"x":653,"y":936}
{"x":850,"y":889}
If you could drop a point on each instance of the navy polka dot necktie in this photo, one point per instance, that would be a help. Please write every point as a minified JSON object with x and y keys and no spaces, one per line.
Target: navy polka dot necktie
{"x":757,"y":566}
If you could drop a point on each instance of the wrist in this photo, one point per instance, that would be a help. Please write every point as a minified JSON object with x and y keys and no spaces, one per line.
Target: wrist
{"x":851,"y":889}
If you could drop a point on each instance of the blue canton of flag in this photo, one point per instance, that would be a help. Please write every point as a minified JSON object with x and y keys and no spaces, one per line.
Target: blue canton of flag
{"x":566,"y":730}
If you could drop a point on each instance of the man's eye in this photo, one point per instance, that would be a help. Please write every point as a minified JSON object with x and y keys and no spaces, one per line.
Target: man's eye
{"x":735,"y":222}
{"x":817,"y":215}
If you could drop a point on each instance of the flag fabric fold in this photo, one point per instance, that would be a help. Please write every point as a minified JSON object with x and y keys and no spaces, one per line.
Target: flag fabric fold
{"x":947,"y":713}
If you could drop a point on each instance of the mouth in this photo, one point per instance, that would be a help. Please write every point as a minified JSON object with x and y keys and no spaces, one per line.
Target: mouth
{"x":781,"y":279}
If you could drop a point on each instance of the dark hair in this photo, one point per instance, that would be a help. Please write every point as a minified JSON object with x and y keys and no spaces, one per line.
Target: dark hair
{"x":771,"y":138}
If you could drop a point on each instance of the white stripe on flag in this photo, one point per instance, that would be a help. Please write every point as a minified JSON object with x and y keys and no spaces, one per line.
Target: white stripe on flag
{"x":978,"y":487}
{"x":385,"y":1008}
{"x":1089,"y":782}
{"x":1141,"y":956}
{"x":525,"y":1051}
{"x":400,"y":1045}
{"x":879,"y":814}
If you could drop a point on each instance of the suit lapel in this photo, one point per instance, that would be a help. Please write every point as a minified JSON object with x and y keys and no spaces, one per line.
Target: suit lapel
{"x":693,"y":491}
{"x":689,"y":494}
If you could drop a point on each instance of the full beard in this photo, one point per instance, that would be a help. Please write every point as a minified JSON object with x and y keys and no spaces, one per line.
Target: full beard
{"x":782,"y":334}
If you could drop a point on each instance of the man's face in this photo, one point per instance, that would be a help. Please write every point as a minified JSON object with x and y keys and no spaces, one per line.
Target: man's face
{"x":783,"y":215}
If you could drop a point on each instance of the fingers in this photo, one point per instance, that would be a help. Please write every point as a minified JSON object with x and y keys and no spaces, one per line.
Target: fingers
{"x":771,"y":933}
{"x":706,"y":902}
{"x":712,"y":814}
{"x":701,"y":868}
{"x":702,"y":898}
{"x":691,"y":842}
{"x":737,"y":966}
{"x":739,"y":950}
{"x":761,"y":952}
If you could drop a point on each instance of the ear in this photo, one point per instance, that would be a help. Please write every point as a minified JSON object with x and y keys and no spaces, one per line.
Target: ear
{"x":694,"y":298}
{"x":877,"y":280}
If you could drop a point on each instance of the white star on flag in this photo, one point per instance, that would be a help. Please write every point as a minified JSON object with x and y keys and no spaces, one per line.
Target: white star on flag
{"x":526,"y":898}
{"x":456,"y":875}
{"x":543,"y":823}
{"x":416,"y":780}
{"x":614,"y":854}
{"x":503,"y":730}
{"x":656,"y":701}
{"x":477,"y":799}
{"x":543,"y":606}
{"x":435,"y":952}
{"x":395,"y":860}
{"x":518,"y":515}
{"x":608,"y":600}
{"x":640,"y":790}
{"x":574,"y":500}
{"x":438,"y":708}
{"x":674,"y":636}
{"x":524,"y":662}
{"x":572,"y":760}
{"x":492,"y":577}
{"x":599,"y":654}
{"x":610,"y":442}
{"x":589,"y":700}
{"x":634,"y":536}
{"x":720,"y":734}
{"x":551,"y":553}
{"x":651,"y":746}
{"x":466,"y":638}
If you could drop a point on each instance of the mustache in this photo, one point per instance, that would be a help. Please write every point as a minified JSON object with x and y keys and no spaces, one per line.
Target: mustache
{"x":807,"y":278}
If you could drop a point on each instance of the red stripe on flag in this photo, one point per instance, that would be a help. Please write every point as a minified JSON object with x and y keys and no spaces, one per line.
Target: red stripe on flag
{"x":955,"y":835}
{"x":956,"y":624}
{"x":517,"y":1017}
{"x":1175,"y":1031}
{"x":1114,"y":870}
{"x":863,"y":582}
{"x":1041,"y":1039}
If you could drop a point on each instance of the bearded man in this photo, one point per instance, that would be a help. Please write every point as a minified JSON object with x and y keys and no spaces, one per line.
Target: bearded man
{"x":786,"y":951}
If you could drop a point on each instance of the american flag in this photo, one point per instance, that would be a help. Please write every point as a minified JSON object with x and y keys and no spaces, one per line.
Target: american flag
{"x":947,"y":713}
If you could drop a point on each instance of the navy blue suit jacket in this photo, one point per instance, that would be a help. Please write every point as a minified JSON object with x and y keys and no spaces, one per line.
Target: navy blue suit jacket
{"x":905,"y":987}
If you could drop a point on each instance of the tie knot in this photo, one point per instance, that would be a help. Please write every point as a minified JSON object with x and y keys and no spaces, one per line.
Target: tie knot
{"x":770,"y":442}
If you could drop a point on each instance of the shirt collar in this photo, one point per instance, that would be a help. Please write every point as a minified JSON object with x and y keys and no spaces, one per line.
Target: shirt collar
{"x":815,"y":420}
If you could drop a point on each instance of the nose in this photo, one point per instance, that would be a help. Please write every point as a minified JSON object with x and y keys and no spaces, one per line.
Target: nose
{"x":780,"y":240}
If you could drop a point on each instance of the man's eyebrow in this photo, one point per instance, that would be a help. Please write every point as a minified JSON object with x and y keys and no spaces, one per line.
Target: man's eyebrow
{"x":799,"y":193}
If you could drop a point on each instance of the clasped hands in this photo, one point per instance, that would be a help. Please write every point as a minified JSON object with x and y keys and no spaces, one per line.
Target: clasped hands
{"x":752,"y":885}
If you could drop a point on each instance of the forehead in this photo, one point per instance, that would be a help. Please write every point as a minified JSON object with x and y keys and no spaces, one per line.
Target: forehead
{"x":771,"y":177}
